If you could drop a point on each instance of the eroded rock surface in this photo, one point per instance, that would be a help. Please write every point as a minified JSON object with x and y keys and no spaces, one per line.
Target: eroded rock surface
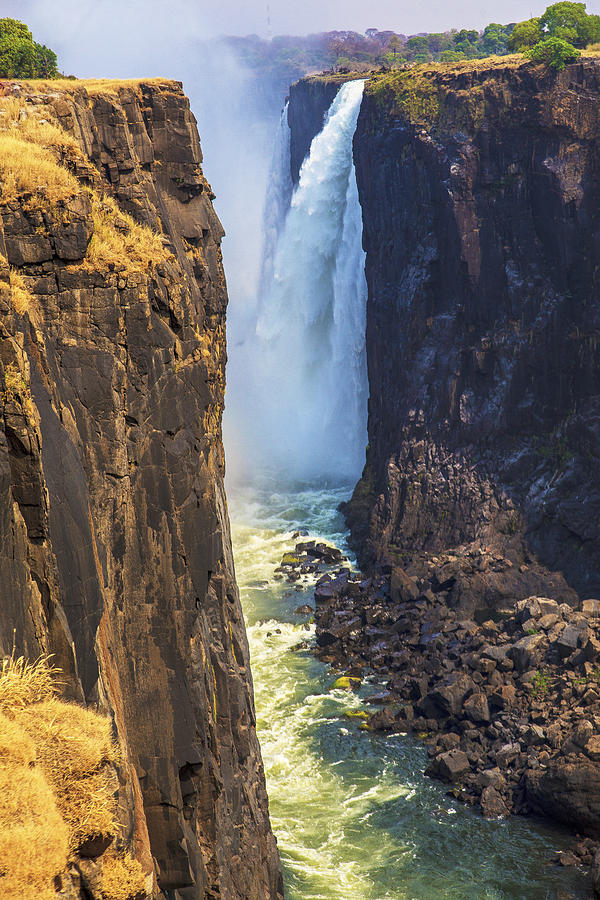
{"x":114,"y":534}
{"x":480,"y":192}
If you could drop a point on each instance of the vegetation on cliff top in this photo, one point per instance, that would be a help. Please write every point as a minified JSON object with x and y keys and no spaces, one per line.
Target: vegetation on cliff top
{"x":286,"y":58}
{"x":21,"y":56}
{"x":57,"y":784}
{"x":37,"y":162}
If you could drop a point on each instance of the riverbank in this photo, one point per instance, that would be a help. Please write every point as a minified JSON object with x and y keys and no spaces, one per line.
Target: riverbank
{"x":354,"y":816}
{"x":508,"y":705}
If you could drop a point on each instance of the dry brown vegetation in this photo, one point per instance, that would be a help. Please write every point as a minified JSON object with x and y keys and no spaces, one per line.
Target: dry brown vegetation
{"x":119,"y":241}
{"x":26,"y":168}
{"x":33,"y":836}
{"x":20,"y":295}
{"x":122,"y":877}
{"x":91,"y":85}
{"x":57,"y":785}
{"x":32,"y":152}
{"x":29,"y":147}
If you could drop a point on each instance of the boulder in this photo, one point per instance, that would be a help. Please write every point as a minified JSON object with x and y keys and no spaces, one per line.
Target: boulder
{"x":450,"y":766}
{"x":450,"y":696}
{"x":402,"y":587}
{"x":567,"y":789}
{"x":596,"y":873}
{"x":476,"y":708}
{"x":492,"y":804}
{"x":526,"y":652}
{"x":591,"y":608}
{"x":571,"y":637}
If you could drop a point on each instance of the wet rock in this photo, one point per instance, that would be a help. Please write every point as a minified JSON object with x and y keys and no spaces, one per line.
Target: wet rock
{"x":347,"y":683}
{"x":492,"y":803}
{"x":382,"y":720}
{"x":450,"y":767}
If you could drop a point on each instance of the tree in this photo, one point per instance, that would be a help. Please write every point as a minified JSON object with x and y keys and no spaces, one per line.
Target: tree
{"x":46,"y":62}
{"x":464,"y":35}
{"x":20,"y":56}
{"x":570,"y":22}
{"x":555,"y":52}
{"x":494,"y":40}
{"x":395,"y":44}
{"x":450,"y":56}
{"x":525,"y":34}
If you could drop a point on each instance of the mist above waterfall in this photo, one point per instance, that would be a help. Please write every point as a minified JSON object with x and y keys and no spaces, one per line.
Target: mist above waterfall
{"x":298,"y":388}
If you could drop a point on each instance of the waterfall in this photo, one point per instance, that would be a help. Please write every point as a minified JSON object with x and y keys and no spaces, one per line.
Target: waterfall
{"x":277,"y":202}
{"x":310,"y":406}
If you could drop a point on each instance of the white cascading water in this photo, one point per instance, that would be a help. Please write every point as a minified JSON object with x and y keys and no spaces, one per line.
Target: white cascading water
{"x":277,"y":202}
{"x":311,"y":382}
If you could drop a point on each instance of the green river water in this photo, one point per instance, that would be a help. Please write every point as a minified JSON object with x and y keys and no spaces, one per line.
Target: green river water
{"x":354,"y":816}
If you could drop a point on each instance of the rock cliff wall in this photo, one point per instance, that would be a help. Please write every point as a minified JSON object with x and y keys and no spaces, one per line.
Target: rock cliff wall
{"x":480,"y":189}
{"x":114,"y":535}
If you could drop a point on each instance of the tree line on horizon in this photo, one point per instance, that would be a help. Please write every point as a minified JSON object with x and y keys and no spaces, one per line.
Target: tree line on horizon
{"x":554,"y":37}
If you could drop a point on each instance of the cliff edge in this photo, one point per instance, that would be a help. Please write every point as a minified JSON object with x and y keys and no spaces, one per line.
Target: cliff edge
{"x":480,"y":191}
{"x":114,"y":534}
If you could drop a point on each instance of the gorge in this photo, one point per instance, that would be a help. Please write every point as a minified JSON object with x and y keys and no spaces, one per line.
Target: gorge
{"x":469,"y":321}
{"x":403,"y":115}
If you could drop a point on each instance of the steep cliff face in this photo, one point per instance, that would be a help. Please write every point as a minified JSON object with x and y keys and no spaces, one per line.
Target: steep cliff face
{"x":114,"y":535}
{"x":480,"y":190}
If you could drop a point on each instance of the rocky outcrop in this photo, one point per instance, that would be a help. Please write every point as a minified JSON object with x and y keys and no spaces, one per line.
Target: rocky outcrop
{"x":114,"y":534}
{"x":510,"y":708}
{"x":480,"y":192}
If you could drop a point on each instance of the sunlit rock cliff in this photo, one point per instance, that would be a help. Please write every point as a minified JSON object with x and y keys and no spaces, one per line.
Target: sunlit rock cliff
{"x":114,"y":533}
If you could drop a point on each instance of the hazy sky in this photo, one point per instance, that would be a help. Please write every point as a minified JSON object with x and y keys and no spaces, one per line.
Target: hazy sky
{"x":83,"y":32}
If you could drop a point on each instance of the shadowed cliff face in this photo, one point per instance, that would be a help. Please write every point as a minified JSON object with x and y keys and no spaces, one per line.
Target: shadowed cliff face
{"x":480,"y":193}
{"x":114,"y":535}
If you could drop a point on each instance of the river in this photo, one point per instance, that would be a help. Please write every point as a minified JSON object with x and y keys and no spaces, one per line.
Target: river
{"x":354,"y":815}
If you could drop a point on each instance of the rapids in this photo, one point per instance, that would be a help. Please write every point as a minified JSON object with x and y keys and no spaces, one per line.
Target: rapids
{"x":354,"y":815}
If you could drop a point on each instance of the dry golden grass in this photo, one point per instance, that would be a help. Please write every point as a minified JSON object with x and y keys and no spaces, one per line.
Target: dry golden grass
{"x":31,"y":151}
{"x":23,"y":683}
{"x":121,"y":242}
{"x":122,"y":877}
{"x":56,"y":785}
{"x":26,"y":168}
{"x":92,"y":85}
{"x":20,"y":295}
{"x":74,"y":749}
{"x":33,"y":836}
{"x":31,"y":154}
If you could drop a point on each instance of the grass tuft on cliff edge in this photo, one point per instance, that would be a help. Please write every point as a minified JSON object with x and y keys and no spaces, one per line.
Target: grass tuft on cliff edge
{"x":57,"y":786}
{"x":37,"y":162}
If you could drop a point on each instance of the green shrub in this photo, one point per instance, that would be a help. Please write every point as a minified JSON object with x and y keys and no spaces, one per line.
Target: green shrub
{"x":554,"y":52}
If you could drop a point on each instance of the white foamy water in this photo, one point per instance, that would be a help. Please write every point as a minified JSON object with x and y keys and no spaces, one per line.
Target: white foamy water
{"x":277,"y":203}
{"x":354,"y":816}
{"x":308,"y":352}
